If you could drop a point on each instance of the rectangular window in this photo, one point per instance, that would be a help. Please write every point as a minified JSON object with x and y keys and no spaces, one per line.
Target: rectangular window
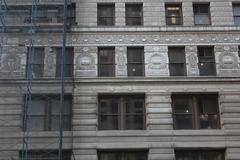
{"x":106,"y":14}
{"x":36,"y":58}
{"x":122,"y":112}
{"x":173,"y":14}
{"x":134,"y":14}
{"x":69,"y":54}
{"x":206,"y":60}
{"x":46,"y":154}
{"x":239,"y":51}
{"x":135,"y":61}
{"x":201,"y":14}
{"x":195,"y":111}
{"x":177,"y":66}
{"x":45,"y":113}
{"x":106,"y":62}
{"x":123,"y":155}
{"x":199,"y":154}
{"x":236,"y":14}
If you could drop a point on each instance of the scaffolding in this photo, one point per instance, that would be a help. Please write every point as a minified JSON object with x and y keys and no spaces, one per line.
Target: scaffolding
{"x":3,"y":11}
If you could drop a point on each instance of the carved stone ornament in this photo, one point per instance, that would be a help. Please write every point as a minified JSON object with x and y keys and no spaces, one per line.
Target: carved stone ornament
{"x":192,"y":61}
{"x":49,"y":62}
{"x":12,"y":63}
{"x":228,"y":61}
{"x":85,"y":62}
{"x":157,"y":61}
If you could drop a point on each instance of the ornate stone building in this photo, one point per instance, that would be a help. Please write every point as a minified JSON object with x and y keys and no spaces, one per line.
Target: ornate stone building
{"x":145,"y":79}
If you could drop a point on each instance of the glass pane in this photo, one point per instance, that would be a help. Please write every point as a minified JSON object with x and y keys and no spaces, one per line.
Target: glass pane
{"x":181,"y":105}
{"x":106,"y":21}
{"x":106,"y":11}
{"x":38,"y":107}
{"x":110,"y":156}
{"x":202,"y":19}
{"x":183,"y":122}
{"x":177,"y":69}
{"x":134,"y":21}
{"x":109,"y":106}
{"x":211,"y":155}
{"x":237,"y":21}
{"x":208,"y":121}
{"x":135,"y":70}
{"x":37,"y":123}
{"x":55,"y":107}
{"x":37,"y":71}
{"x":207,"y":104}
{"x":106,"y":70}
{"x":203,"y":8}
{"x":187,"y":155}
{"x":135,"y":55}
{"x":173,"y":11}
{"x":134,"y":122}
{"x":207,"y":69}
{"x":134,"y":10}
{"x":106,"y":55}
{"x":108,"y":123}
{"x":134,"y":106}
{"x":55,"y":123}
{"x":236,"y":10}
{"x":176,"y":54}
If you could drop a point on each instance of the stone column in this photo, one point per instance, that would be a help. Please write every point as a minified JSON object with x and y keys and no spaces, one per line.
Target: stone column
{"x":121,"y":61}
{"x":191,"y":61}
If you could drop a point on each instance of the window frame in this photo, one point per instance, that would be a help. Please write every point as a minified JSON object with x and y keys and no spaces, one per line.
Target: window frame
{"x":206,"y":59}
{"x":34,"y":64}
{"x":48,"y":115}
{"x":181,"y":48}
{"x":128,"y":17}
{"x":237,"y":5}
{"x":104,"y":5}
{"x":199,"y":152}
{"x":121,"y":111}
{"x":123,"y":152}
{"x":69,"y":50}
{"x":199,"y":13}
{"x":193,"y":104}
{"x":180,"y":16}
{"x":113,"y":63}
{"x":131,"y":63}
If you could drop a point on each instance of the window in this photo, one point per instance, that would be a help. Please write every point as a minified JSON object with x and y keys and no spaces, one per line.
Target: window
{"x":46,"y":154}
{"x":196,"y":111}
{"x":37,"y":60}
{"x":206,"y":60}
{"x":236,"y":14}
{"x":106,"y":14}
{"x":135,"y":61}
{"x":45,"y":113}
{"x":69,"y":54}
{"x":201,"y":14}
{"x":106,"y":62}
{"x":199,"y":154}
{"x":123,"y":155}
{"x":177,"y":65}
{"x":239,"y":51}
{"x":121,"y":112}
{"x":134,"y":14}
{"x":173,"y":14}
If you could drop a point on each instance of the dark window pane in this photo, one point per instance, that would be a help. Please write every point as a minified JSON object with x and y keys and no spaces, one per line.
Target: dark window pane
{"x":135,"y":58}
{"x":106,"y":62}
{"x":177,"y":69}
{"x":123,"y":155}
{"x":199,"y":155}
{"x":134,"y":122}
{"x":134,"y":106}
{"x":69,"y":54}
{"x":46,"y":154}
{"x":206,"y":61}
{"x":134,"y":14}
{"x":108,"y":122}
{"x":135,"y":70}
{"x":183,"y":122}
{"x":109,"y":106}
{"x":176,"y":61}
{"x":37,"y":123}
{"x":237,"y":21}
{"x":106,"y":14}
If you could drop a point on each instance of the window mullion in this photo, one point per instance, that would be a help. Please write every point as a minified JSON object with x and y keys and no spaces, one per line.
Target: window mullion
{"x":196,"y":115}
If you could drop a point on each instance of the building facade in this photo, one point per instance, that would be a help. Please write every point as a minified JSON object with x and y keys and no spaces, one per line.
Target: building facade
{"x":145,"y":79}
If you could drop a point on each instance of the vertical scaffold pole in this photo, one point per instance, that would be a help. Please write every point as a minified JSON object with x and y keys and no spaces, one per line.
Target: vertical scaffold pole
{"x":60,"y":154}
{"x":3,"y":11}
{"x":28,"y":96}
